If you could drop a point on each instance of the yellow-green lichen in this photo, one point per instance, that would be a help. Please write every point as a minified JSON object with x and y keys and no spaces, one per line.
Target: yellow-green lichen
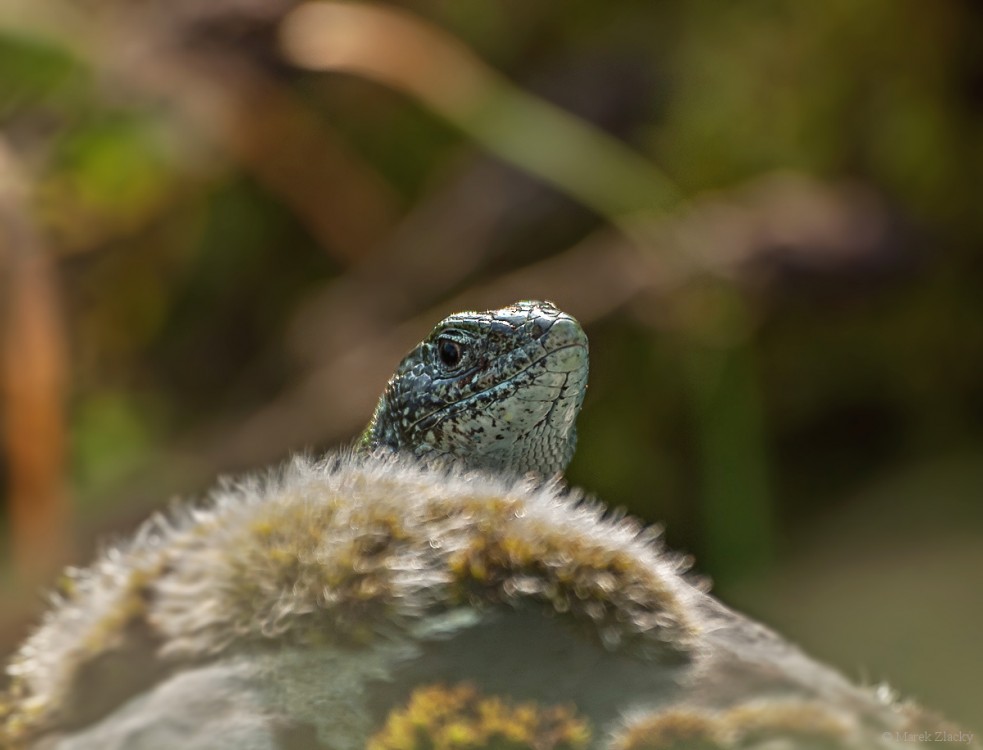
{"x":120,"y":628}
{"x":296,"y":577}
{"x":336,"y":569}
{"x":619,"y":597}
{"x":16,"y":716}
{"x":809,"y":725}
{"x":675,"y":729}
{"x":804,"y":725}
{"x":460,"y":717}
{"x":130,"y":608}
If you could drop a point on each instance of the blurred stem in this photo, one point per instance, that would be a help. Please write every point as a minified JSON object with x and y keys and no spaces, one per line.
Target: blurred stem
{"x":32,"y":384}
{"x":580,"y":160}
{"x":724,"y":388}
{"x":400,"y":50}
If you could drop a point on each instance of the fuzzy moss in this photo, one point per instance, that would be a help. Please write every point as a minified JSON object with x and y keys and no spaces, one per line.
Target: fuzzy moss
{"x":348,"y":551}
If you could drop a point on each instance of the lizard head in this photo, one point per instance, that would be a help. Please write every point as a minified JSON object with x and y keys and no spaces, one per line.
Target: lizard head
{"x":496,"y":390}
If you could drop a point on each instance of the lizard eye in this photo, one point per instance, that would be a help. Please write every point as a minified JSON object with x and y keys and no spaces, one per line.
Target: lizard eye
{"x":450,"y":352}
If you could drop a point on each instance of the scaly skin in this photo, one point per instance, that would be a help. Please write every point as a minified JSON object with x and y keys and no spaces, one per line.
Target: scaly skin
{"x":497,"y":390}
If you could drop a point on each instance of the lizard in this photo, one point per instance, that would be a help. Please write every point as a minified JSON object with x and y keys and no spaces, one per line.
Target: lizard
{"x":498,"y":390}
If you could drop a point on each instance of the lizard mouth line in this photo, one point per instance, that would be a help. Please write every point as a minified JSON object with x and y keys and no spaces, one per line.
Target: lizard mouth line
{"x":478,"y":394}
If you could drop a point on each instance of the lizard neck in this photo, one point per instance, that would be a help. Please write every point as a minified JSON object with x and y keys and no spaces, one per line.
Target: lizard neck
{"x":381,"y":431}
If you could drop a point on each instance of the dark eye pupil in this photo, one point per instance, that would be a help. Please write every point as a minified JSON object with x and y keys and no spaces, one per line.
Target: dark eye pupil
{"x":450,"y":352}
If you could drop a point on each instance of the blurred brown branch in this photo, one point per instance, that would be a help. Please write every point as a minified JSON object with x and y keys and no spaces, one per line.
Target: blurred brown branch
{"x":32,"y":386}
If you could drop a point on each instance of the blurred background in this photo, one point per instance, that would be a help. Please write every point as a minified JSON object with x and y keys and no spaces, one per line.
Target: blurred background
{"x":223,"y":222}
